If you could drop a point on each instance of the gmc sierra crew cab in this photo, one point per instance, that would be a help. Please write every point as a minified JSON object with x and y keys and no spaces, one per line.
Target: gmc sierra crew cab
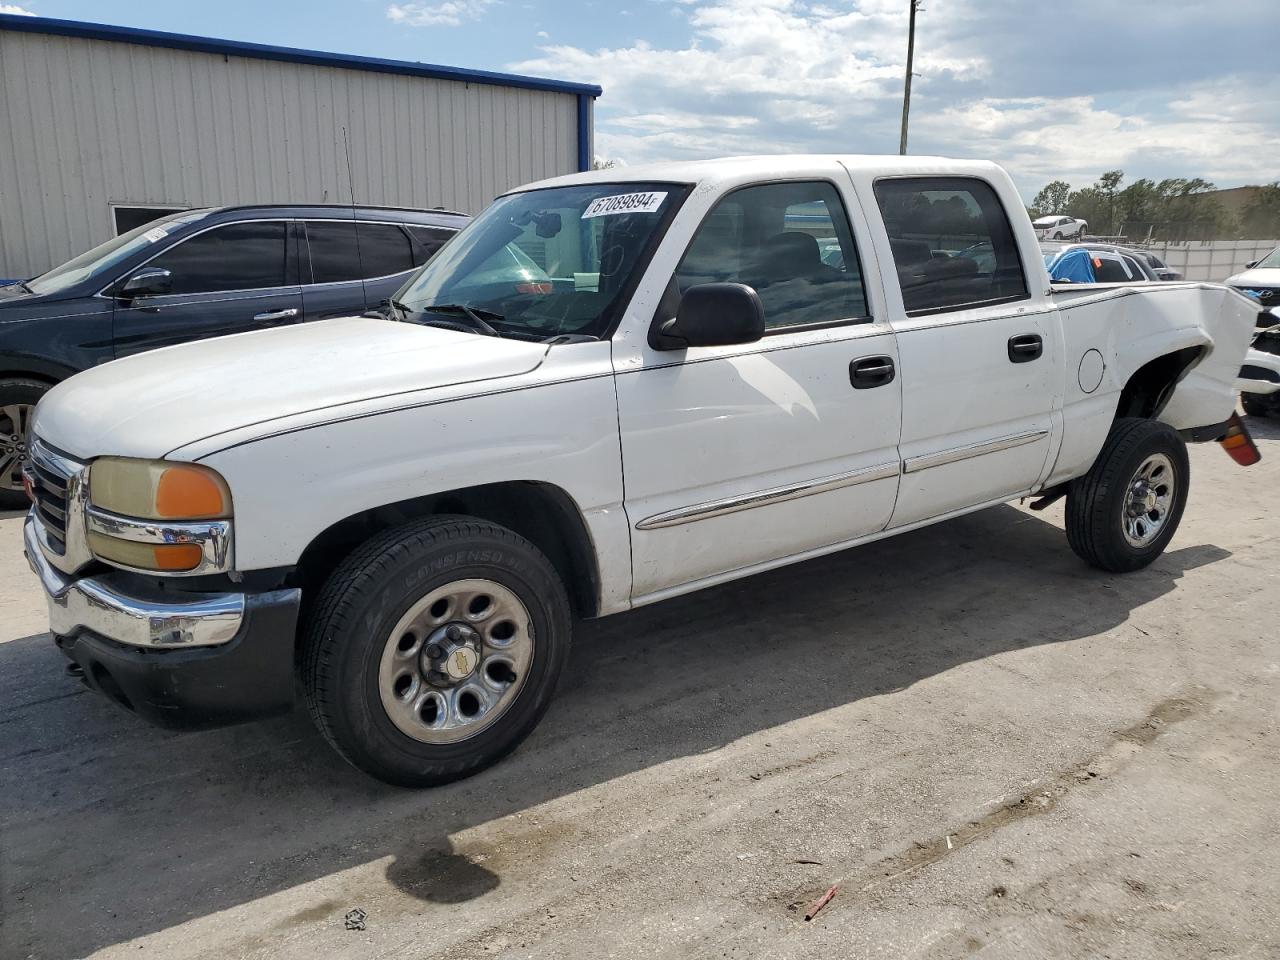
{"x":730,"y":365}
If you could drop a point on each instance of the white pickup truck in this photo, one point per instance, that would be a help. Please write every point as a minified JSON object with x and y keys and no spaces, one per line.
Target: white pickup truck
{"x":722,"y":367}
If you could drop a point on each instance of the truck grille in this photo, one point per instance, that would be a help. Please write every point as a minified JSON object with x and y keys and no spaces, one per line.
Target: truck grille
{"x":49,"y":478}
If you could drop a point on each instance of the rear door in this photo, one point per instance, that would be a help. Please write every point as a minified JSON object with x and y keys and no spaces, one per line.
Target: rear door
{"x":353,"y":265}
{"x":740,"y":456}
{"x":226,"y":279}
{"x":980,"y":354}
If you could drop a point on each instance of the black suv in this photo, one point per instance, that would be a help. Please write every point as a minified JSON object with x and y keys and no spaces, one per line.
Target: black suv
{"x":195,"y":274}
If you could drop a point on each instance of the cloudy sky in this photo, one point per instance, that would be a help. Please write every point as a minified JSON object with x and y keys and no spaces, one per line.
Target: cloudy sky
{"x":1159,"y":89}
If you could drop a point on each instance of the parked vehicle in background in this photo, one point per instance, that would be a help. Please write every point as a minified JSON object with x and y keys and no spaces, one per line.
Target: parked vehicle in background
{"x":401,"y":514}
{"x":1060,"y":228}
{"x":196,"y":274}
{"x":1110,"y":263}
{"x":1161,"y":269}
{"x":1261,"y":280}
{"x":1259,"y":382}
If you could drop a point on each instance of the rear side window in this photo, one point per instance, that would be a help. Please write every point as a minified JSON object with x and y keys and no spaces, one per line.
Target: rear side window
{"x":239,"y":256}
{"x":1107,"y":268}
{"x":791,"y":243}
{"x":952,"y":244}
{"x":426,"y":241}
{"x":383,"y":249}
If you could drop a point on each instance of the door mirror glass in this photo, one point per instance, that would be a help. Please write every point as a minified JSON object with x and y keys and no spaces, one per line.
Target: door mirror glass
{"x":147,"y":282}
{"x":714,"y":315}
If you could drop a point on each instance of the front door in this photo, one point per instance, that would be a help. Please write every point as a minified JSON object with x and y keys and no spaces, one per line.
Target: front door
{"x":981,"y":351}
{"x":738,"y":457}
{"x":227,"y":279}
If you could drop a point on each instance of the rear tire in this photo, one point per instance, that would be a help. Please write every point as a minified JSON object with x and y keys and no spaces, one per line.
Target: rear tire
{"x":18,"y":399}
{"x":1255,"y":406}
{"x":399,"y":653}
{"x":1125,"y":510}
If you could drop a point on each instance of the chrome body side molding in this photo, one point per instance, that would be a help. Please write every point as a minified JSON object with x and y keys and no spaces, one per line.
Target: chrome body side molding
{"x":924,"y":462}
{"x":762,"y":498}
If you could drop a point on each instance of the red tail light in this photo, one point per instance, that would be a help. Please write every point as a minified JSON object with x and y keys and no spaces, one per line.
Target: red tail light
{"x":539,"y":289}
{"x":1238,"y":444}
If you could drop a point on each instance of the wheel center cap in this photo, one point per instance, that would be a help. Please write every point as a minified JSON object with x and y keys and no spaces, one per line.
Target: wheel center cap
{"x":461,"y":662}
{"x":451,"y":653}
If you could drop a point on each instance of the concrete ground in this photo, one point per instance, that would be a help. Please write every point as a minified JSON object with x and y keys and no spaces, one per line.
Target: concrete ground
{"x":992,"y":749}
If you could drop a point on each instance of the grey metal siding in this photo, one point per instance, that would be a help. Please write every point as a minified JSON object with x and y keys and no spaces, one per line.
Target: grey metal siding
{"x":89,"y":123}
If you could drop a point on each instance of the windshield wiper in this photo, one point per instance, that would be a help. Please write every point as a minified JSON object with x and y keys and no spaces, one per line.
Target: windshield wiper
{"x":479,"y":323}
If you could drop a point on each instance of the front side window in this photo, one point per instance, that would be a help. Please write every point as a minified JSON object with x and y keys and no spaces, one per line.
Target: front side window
{"x":934,"y":226}
{"x":102,"y":260}
{"x":545,"y":263}
{"x":238,"y":256}
{"x":791,"y":243}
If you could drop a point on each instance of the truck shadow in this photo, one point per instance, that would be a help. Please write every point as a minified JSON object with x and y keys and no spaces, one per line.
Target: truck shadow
{"x":113,"y":830}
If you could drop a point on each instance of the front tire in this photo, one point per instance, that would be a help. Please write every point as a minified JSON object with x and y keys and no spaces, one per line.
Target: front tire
{"x":18,"y":399}
{"x":1125,"y":510}
{"x":434,"y":649}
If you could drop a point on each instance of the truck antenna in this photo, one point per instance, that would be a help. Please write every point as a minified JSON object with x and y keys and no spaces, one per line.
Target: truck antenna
{"x":355,"y":223}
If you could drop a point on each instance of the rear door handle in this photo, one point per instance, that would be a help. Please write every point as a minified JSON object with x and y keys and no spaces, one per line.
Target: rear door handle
{"x":1025,"y":347}
{"x":867,"y":372}
{"x":276,"y":315}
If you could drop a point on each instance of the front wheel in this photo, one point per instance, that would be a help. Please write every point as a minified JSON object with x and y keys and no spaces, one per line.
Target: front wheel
{"x":1124,"y":511}
{"x":18,"y":398}
{"x":434,"y":649}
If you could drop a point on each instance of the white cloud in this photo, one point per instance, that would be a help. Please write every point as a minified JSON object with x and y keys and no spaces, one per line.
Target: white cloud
{"x":542,"y":35}
{"x":769,"y":76}
{"x":15,"y":10}
{"x":450,"y":13}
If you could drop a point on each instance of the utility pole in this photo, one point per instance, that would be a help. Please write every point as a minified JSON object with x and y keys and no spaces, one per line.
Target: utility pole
{"x":906,"y":92}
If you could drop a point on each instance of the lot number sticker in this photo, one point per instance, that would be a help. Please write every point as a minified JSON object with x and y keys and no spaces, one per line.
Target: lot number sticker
{"x":624,"y":203}
{"x":155,"y":233}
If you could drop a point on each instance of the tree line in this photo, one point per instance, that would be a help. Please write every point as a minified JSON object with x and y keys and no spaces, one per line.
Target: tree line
{"x":1174,"y":209}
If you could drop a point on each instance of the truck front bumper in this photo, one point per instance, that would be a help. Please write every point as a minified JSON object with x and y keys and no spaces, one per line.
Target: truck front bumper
{"x":177,"y":659}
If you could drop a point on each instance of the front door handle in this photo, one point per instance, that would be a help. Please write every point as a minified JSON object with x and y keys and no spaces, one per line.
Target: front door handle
{"x":1025,"y":347}
{"x":867,"y":372}
{"x":270,"y":315}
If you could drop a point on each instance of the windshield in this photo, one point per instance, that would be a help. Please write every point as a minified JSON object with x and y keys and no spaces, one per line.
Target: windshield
{"x":102,"y":258}
{"x":1271,"y":260}
{"x":548,"y":262}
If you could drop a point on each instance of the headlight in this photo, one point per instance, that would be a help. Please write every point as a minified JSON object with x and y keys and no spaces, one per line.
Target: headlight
{"x":158,"y":515}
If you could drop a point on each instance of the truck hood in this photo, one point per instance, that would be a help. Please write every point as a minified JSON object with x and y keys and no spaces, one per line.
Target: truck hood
{"x":152,"y":403}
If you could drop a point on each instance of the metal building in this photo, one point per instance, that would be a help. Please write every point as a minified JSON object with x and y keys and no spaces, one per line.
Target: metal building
{"x":103,"y":128}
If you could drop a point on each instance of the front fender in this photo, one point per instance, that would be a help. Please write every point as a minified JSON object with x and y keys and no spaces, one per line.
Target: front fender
{"x":288,"y":488}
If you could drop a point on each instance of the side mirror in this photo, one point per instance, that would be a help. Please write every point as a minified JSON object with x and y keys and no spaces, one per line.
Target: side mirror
{"x":713,"y":315}
{"x":147,"y":282}
{"x":1251,"y":264}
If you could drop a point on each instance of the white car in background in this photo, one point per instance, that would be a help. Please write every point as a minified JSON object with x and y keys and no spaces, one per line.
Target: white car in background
{"x":1060,"y":228}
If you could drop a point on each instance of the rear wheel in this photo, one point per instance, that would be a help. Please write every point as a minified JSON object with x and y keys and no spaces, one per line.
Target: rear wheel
{"x":1125,"y":510}
{"x":1255,"y":406}
{"x":434,"y":649}
{"x":18,"y":398}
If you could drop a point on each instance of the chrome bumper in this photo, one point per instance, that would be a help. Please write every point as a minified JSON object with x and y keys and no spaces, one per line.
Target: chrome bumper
{"x":93,"y":603}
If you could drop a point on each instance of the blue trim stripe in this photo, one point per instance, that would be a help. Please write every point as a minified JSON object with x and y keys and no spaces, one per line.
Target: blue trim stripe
{"x":584,"y":132}
{"x":263,"y":51}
